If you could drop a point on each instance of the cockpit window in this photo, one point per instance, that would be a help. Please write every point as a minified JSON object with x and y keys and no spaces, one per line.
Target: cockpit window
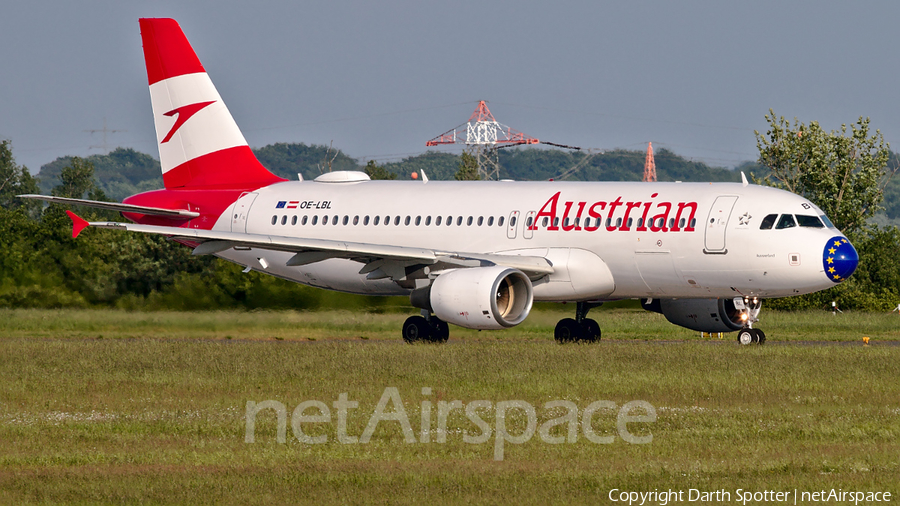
{"x":809,"y":221}
{"x":768,"y":221}
{"x":786,"y":221}
{"x":828,"y":222}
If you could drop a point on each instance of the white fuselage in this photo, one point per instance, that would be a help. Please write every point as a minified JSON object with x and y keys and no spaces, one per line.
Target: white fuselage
{"x":671,"y":240}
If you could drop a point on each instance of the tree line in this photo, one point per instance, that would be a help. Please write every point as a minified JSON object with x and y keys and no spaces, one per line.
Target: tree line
{"x":42,"y":266}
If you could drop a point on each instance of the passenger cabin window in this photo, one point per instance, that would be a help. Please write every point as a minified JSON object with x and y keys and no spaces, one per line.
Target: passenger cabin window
{"x":335,"y":220}
{"x":437,"y":221}
{"x":768,"y":222}
{"x":315,"y":219}
{"x":376,"y":220}
{"x":304,"y":220}
{"x":397,"y":220}
{"x":786,"y":221}
{"x":294,"y":220}
{"x":459,"y":221}
{"x":809,"y":221}
{"x":274,"y":220}
{"x":490,"y":221}
{"x":500,"y":221}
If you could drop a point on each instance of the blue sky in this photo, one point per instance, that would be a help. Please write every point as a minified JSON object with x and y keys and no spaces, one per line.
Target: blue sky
{"x":379,"y":79}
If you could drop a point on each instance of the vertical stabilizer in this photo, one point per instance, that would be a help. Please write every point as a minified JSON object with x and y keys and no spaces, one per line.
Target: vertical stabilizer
{"x":200,"y":145}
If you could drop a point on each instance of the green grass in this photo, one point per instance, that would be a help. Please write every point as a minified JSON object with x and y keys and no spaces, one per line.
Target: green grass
{"x":109,"y":406}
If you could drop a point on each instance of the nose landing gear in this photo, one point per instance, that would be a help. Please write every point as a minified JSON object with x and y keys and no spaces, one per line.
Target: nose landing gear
{"x":581,"y":329}
{"x":749,"y":335}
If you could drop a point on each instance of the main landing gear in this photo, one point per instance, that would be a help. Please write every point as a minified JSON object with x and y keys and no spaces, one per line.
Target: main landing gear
{"x":581,"y":329}
{"x":750,"y":315}
{"x":428,"y":328}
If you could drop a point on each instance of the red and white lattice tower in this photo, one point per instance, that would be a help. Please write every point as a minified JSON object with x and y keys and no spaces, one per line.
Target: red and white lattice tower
{"x":483,"y":135}
{"x":649,"y":165}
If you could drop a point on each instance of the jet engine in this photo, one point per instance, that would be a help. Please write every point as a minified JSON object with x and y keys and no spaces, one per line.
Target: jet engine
{"x":487,"y":298}
{"x":704,"y":315}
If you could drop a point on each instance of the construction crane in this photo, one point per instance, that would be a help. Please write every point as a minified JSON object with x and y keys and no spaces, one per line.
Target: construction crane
{"x":649,"y":165}
{"x":483,"y":136}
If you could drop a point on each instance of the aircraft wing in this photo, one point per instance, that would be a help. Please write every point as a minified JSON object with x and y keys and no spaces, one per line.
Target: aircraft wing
{"x":115,"y":206}
{"x":381,"y":260}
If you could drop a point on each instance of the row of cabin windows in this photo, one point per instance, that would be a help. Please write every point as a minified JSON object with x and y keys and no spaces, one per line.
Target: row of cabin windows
{"x":480,"y":221}
{"x":596,"y":222}
{"x":334,"y":220}
{"x":792,"y":220}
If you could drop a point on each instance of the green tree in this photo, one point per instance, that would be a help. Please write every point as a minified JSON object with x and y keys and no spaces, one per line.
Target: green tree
{"x":468,"y":168}
{"x":15,"y":180}
{"x":378,"y":171}
{"x":843,"y":174}
{"x":76,"y":179}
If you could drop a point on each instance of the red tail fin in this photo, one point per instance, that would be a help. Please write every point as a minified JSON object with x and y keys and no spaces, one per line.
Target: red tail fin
{"x":200,"y":145}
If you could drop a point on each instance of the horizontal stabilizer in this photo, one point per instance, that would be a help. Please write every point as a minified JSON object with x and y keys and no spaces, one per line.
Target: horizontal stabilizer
{"x":116,"y":206}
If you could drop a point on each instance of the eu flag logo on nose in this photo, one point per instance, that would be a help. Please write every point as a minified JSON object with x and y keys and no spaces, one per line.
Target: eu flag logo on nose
{"x":839,"y":259}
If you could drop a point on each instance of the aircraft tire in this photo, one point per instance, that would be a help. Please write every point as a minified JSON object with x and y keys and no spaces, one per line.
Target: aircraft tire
{"x":746,"y":337}
{"x":761,"y":336}
{"x":440,"y":330}
{"x":567,"y":331}
{"x":590,"y":330}
{"x":416,"y":328}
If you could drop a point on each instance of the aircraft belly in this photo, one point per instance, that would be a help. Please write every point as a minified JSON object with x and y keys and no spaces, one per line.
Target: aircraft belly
{"x":334,"y":274}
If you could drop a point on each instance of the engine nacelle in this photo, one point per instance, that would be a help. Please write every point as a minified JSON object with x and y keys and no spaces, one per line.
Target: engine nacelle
{"x":704,"y":315}
{"x":485,"y":298}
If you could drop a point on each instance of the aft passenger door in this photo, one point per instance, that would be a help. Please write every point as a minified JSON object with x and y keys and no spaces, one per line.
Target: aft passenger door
{"x":716,"y":224}
{"x":240,"y":211}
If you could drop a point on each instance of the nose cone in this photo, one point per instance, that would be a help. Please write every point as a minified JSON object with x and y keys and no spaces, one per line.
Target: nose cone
{"x":839,"y":258}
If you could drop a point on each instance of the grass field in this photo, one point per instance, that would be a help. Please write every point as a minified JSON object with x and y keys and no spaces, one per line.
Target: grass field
{"x":118,"y":407}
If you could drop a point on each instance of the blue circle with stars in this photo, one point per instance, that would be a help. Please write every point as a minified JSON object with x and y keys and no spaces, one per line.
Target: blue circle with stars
{"x":839,"y":259}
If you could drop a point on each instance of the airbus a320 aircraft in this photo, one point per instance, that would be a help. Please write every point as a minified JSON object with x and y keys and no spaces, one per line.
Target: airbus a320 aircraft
{"x":474,"y":254}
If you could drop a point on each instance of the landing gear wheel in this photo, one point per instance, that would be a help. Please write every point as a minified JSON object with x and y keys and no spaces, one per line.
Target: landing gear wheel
{"x":567,"y":331}
{"x":440,"y":331}
{"x":416,"y":328}
{"x":590,"y":330}
{"x":762,"y":336}
{"x":747,"y":336}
